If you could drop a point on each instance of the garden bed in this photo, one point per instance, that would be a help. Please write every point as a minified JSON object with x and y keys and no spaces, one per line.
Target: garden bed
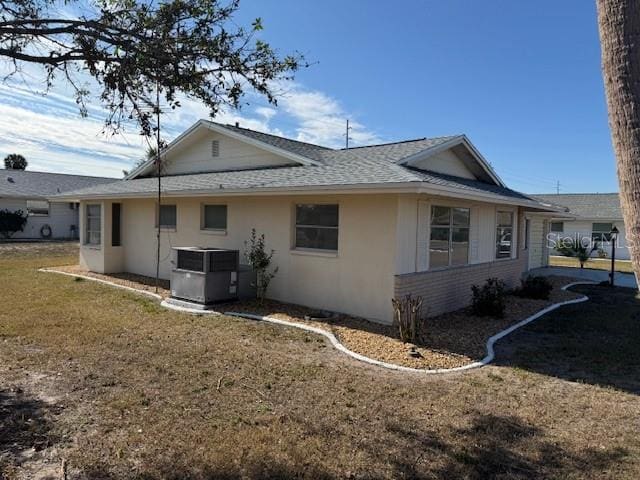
{"x":450,"y":340}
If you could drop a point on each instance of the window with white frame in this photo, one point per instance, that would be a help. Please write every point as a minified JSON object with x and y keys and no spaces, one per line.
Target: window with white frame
{"x":167,"y":216}
{"x":92,"y":225}
{"x":37,"y":208}
{"x":214,"y":217}
{"x":601,"y":232}
{"x":504,"y":234}
{"x":317,"y":227}
{"x":449,"y":237}
{"x":557,"y":227}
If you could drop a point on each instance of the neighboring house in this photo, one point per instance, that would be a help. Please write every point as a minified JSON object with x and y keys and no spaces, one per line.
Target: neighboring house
{"x":350,"y":228}
{"x":592,"y":216}
{"x":29,"y":191}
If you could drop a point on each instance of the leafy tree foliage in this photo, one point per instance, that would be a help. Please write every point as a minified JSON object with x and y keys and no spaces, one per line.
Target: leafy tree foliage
{"x":130,"y":47}
{"x":15,"y":161}
{"x":11,"y":222}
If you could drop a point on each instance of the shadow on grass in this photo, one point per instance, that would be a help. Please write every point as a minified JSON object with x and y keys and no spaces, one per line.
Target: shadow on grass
{"x":489,"y":447}
{"x":25,"y":424}
{"x":594,"y":342}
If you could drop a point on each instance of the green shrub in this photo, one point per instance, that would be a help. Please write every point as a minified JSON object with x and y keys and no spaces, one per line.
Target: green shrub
{"x":489,"y":299}
{"x":576,"y":248}
{"x":538,"y":288}
{"x":11,"y":222}
{"x":259,"y":259}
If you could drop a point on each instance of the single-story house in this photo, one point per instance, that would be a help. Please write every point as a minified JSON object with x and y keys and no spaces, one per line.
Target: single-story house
{"x":590,"y":218}
{"x":351,"y":228}
{"x":29,"y":191}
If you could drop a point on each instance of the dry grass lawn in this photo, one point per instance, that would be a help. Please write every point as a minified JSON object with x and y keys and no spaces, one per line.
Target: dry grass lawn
{"x":623,"y":266}
{"x":118,"y":387}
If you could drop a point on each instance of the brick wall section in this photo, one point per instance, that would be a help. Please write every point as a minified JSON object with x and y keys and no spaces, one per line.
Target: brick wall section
{"x":450,"y":289}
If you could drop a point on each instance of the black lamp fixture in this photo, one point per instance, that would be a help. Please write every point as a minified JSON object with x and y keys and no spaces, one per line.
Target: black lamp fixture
{"x":614,"y":237}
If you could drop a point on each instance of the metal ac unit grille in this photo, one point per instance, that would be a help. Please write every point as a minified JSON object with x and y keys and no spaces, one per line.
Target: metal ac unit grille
{"x":191,"y":260}
{"x":224,"y":261}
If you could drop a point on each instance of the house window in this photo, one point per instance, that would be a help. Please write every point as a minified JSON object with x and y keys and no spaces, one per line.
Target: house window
{"x":317,"y":227}
{"x":116,"y":210}
{"x":601,"y":232}
{"x":37,"y":208}
{"x":92,"y":234}
{"x":214,"y":217}
{"x":504,"y":234}
{"x":527,"y":229}
{"x":449,"y":238}
{"x":167,"y":216}
{"x":557,"y":227}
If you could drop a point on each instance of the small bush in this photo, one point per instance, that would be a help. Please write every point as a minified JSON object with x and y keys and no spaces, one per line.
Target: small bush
{"x":11,"y":222}
{"x":534,"y":287}
{"x":489,"y":299}
{"x":259,"y":259}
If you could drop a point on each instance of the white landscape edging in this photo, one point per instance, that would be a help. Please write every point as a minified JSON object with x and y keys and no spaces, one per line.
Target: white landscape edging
{"x":490,"y":356}
{"x":100,"y":280}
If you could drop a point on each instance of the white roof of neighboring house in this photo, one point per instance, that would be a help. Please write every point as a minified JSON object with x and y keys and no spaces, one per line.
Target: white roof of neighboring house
{"x":385,"y":167}
{"x":586,"y":205}
{"x":36,"y":185}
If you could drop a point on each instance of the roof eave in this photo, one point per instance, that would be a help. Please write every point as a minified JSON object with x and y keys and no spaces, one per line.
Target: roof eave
{"x":397,"y":187}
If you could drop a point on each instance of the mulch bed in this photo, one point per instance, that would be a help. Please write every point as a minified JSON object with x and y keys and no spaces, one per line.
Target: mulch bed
{"x":450,"y":340}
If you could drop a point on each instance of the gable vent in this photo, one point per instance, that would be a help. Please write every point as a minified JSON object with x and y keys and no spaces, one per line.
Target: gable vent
{"x":215,"y":148}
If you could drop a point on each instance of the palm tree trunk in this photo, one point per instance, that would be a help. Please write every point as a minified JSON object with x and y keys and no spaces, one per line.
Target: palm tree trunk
{"x":619,"y":26}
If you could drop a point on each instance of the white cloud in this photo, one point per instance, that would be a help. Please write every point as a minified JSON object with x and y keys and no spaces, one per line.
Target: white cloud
{"x":49,"y":132}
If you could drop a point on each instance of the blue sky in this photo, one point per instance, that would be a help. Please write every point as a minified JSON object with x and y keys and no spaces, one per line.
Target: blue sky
{"x":521,"y":79}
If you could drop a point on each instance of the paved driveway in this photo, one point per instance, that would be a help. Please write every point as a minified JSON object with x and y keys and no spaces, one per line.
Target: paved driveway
{"x":621,"y":280}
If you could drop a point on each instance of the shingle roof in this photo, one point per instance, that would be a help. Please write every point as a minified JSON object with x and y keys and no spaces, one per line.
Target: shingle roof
{"x":586,"y":205}
{"x":375,"y":165}
{"x":28,"y":184}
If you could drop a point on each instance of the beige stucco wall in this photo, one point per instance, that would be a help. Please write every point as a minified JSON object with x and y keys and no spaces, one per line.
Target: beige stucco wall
{"x":357,"y":280}
{"x":380,"y":236}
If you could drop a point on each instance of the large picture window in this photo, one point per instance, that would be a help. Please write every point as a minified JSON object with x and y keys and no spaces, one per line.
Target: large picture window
{"x":167,"y":216}
{"x":601,"y":232}
{"x":92,"y":221}
{"x":317,"y":227}
{"x":214,"y":217}
{"x":504,"y":234}
{"x":449,"y":239}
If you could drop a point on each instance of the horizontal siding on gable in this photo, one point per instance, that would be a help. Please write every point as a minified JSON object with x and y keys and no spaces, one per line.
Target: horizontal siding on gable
{"x":196,"y":156}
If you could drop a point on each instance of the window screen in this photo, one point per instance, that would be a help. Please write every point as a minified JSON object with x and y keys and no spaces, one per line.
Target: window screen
{"x":214,"y":217}
{"x":449,"y":238}
{"x":601,"y":232}
{"x":92,"y":228}
{"x":167,"y":216}
{"x":557,"y":227}
{"x":317,"y":227}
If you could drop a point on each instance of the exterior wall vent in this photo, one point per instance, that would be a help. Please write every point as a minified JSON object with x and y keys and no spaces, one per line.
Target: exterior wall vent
{"x":215,"y":148}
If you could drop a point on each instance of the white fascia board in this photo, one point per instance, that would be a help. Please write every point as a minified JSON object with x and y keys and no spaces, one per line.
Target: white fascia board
{"x":226,"y":132}
{"x":403,"y":187}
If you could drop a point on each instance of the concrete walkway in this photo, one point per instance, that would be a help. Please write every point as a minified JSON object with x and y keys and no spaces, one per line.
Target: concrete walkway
{"x":621,"y":280}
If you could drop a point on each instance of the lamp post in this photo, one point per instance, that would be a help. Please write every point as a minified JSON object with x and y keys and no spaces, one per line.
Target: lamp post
{"x":614,"y":237}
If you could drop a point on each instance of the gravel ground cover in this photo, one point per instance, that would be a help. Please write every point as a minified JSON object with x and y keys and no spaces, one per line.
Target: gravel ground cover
{"x":448,"y":341}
